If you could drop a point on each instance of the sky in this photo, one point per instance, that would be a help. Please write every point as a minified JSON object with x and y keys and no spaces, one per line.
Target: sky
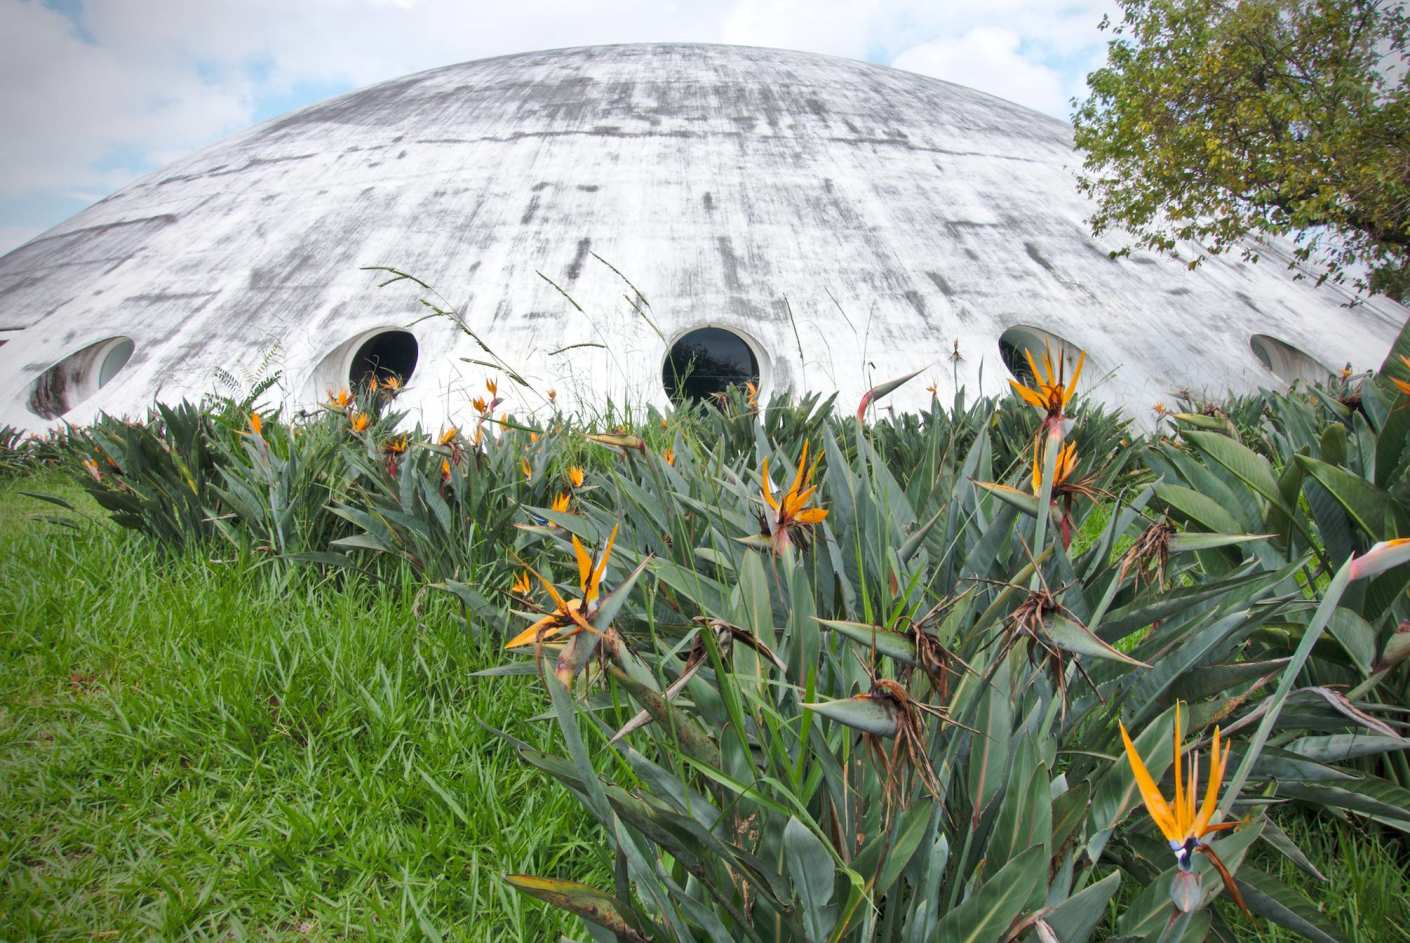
{"x":96,"y":93}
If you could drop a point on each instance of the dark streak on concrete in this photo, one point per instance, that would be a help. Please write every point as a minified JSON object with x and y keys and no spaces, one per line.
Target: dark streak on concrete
{"x":588,"y":187}
{"x":941,"y":284}
{"x":164,"y":219}
{"x":1177,"y":291}
{"x":907,"y":145}
{"x":731,"y":262}
{"x":252,"y":162}
{"x":575,"y":268}
{"x":530,"y":210}
{"x":1243,"y":296}
{"x":20,"y":284}
{"x":1037,"y":256}
{"x":708,"y":201}
{"x":918,"y":303}
{"x":157,"y":297}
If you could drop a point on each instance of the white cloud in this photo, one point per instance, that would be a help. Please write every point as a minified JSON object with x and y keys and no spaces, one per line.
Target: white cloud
{"x":991,"y":59}
{"x":68,"y":106}
{"x":834,"y":27}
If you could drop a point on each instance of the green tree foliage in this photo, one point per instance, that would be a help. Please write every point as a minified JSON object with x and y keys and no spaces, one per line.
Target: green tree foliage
{"x":1222,"y":121}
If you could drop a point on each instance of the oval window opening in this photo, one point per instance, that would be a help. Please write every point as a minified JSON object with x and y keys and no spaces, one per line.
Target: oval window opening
{"x":1286,"y":362}
{"x":78,"y":376}
{"x":1018,"y":343}
{"x":382,"y":357}
{"x":708,"y":361}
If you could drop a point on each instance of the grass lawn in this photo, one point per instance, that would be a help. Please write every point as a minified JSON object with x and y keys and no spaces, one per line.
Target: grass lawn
{"x":193,"y":747}
{"x":189,"y":747}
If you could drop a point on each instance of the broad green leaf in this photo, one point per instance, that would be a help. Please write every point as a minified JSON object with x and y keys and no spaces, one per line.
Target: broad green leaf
{"x":1198,"y":508}
{"x":986,"y":915}
{"x":1369,"y":506}
{"x":1270,"y":898}
{"x":582,"y":900}
{"x":1074,"y":920}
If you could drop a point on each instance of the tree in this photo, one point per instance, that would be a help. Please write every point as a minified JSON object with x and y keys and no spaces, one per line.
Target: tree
{"x":1220,"y":122}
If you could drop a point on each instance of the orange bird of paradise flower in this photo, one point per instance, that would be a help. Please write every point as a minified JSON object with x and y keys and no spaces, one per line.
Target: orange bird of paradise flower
{"x":576,"y":476}
{"x":574,"y":615}
{"x":560,"y":503}
{"x":1051,"y":390}
{"x":359,"y":422}
{"x":1066,"y":465}
{"x":1065,"y":488}
{"x":791,"y":511}
{"x":1182,"y":823}
{"x":1401,"y":385}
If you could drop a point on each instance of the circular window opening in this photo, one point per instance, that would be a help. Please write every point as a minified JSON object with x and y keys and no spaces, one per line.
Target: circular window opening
{"x":382,"y":357}
{"x":1019,"y":343}
{"x":78,"y":376}
{"x":1286,"y":362}
{"x":708,"y":361}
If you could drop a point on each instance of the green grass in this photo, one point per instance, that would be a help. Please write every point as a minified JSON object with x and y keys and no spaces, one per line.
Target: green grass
{"x":193,"y":748}
{"x":1367,"y":887}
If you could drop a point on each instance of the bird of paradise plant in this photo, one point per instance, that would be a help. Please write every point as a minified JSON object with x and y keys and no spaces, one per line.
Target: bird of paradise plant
{"x":1051,"y":390}
{"x":1183,"y":825}
{"x":256,"y":425}
{"x":560,"y":503}
{"x":359,"y":422}
{"x":573,"y":615}
{"x":340,"y":400}
{"x":576,"y":476}
{"x":791,"y":514}
{"x":1065,"y":488}
{"x":1402,"y":385}
{"x":392,"y":450}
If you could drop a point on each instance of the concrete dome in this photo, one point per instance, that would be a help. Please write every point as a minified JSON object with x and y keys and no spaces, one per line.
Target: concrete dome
{"x":898,"y":218}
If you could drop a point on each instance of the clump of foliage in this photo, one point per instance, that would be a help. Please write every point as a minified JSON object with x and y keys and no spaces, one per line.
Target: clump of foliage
{"x":1217,"y":120}
{"x":905,"y":721}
